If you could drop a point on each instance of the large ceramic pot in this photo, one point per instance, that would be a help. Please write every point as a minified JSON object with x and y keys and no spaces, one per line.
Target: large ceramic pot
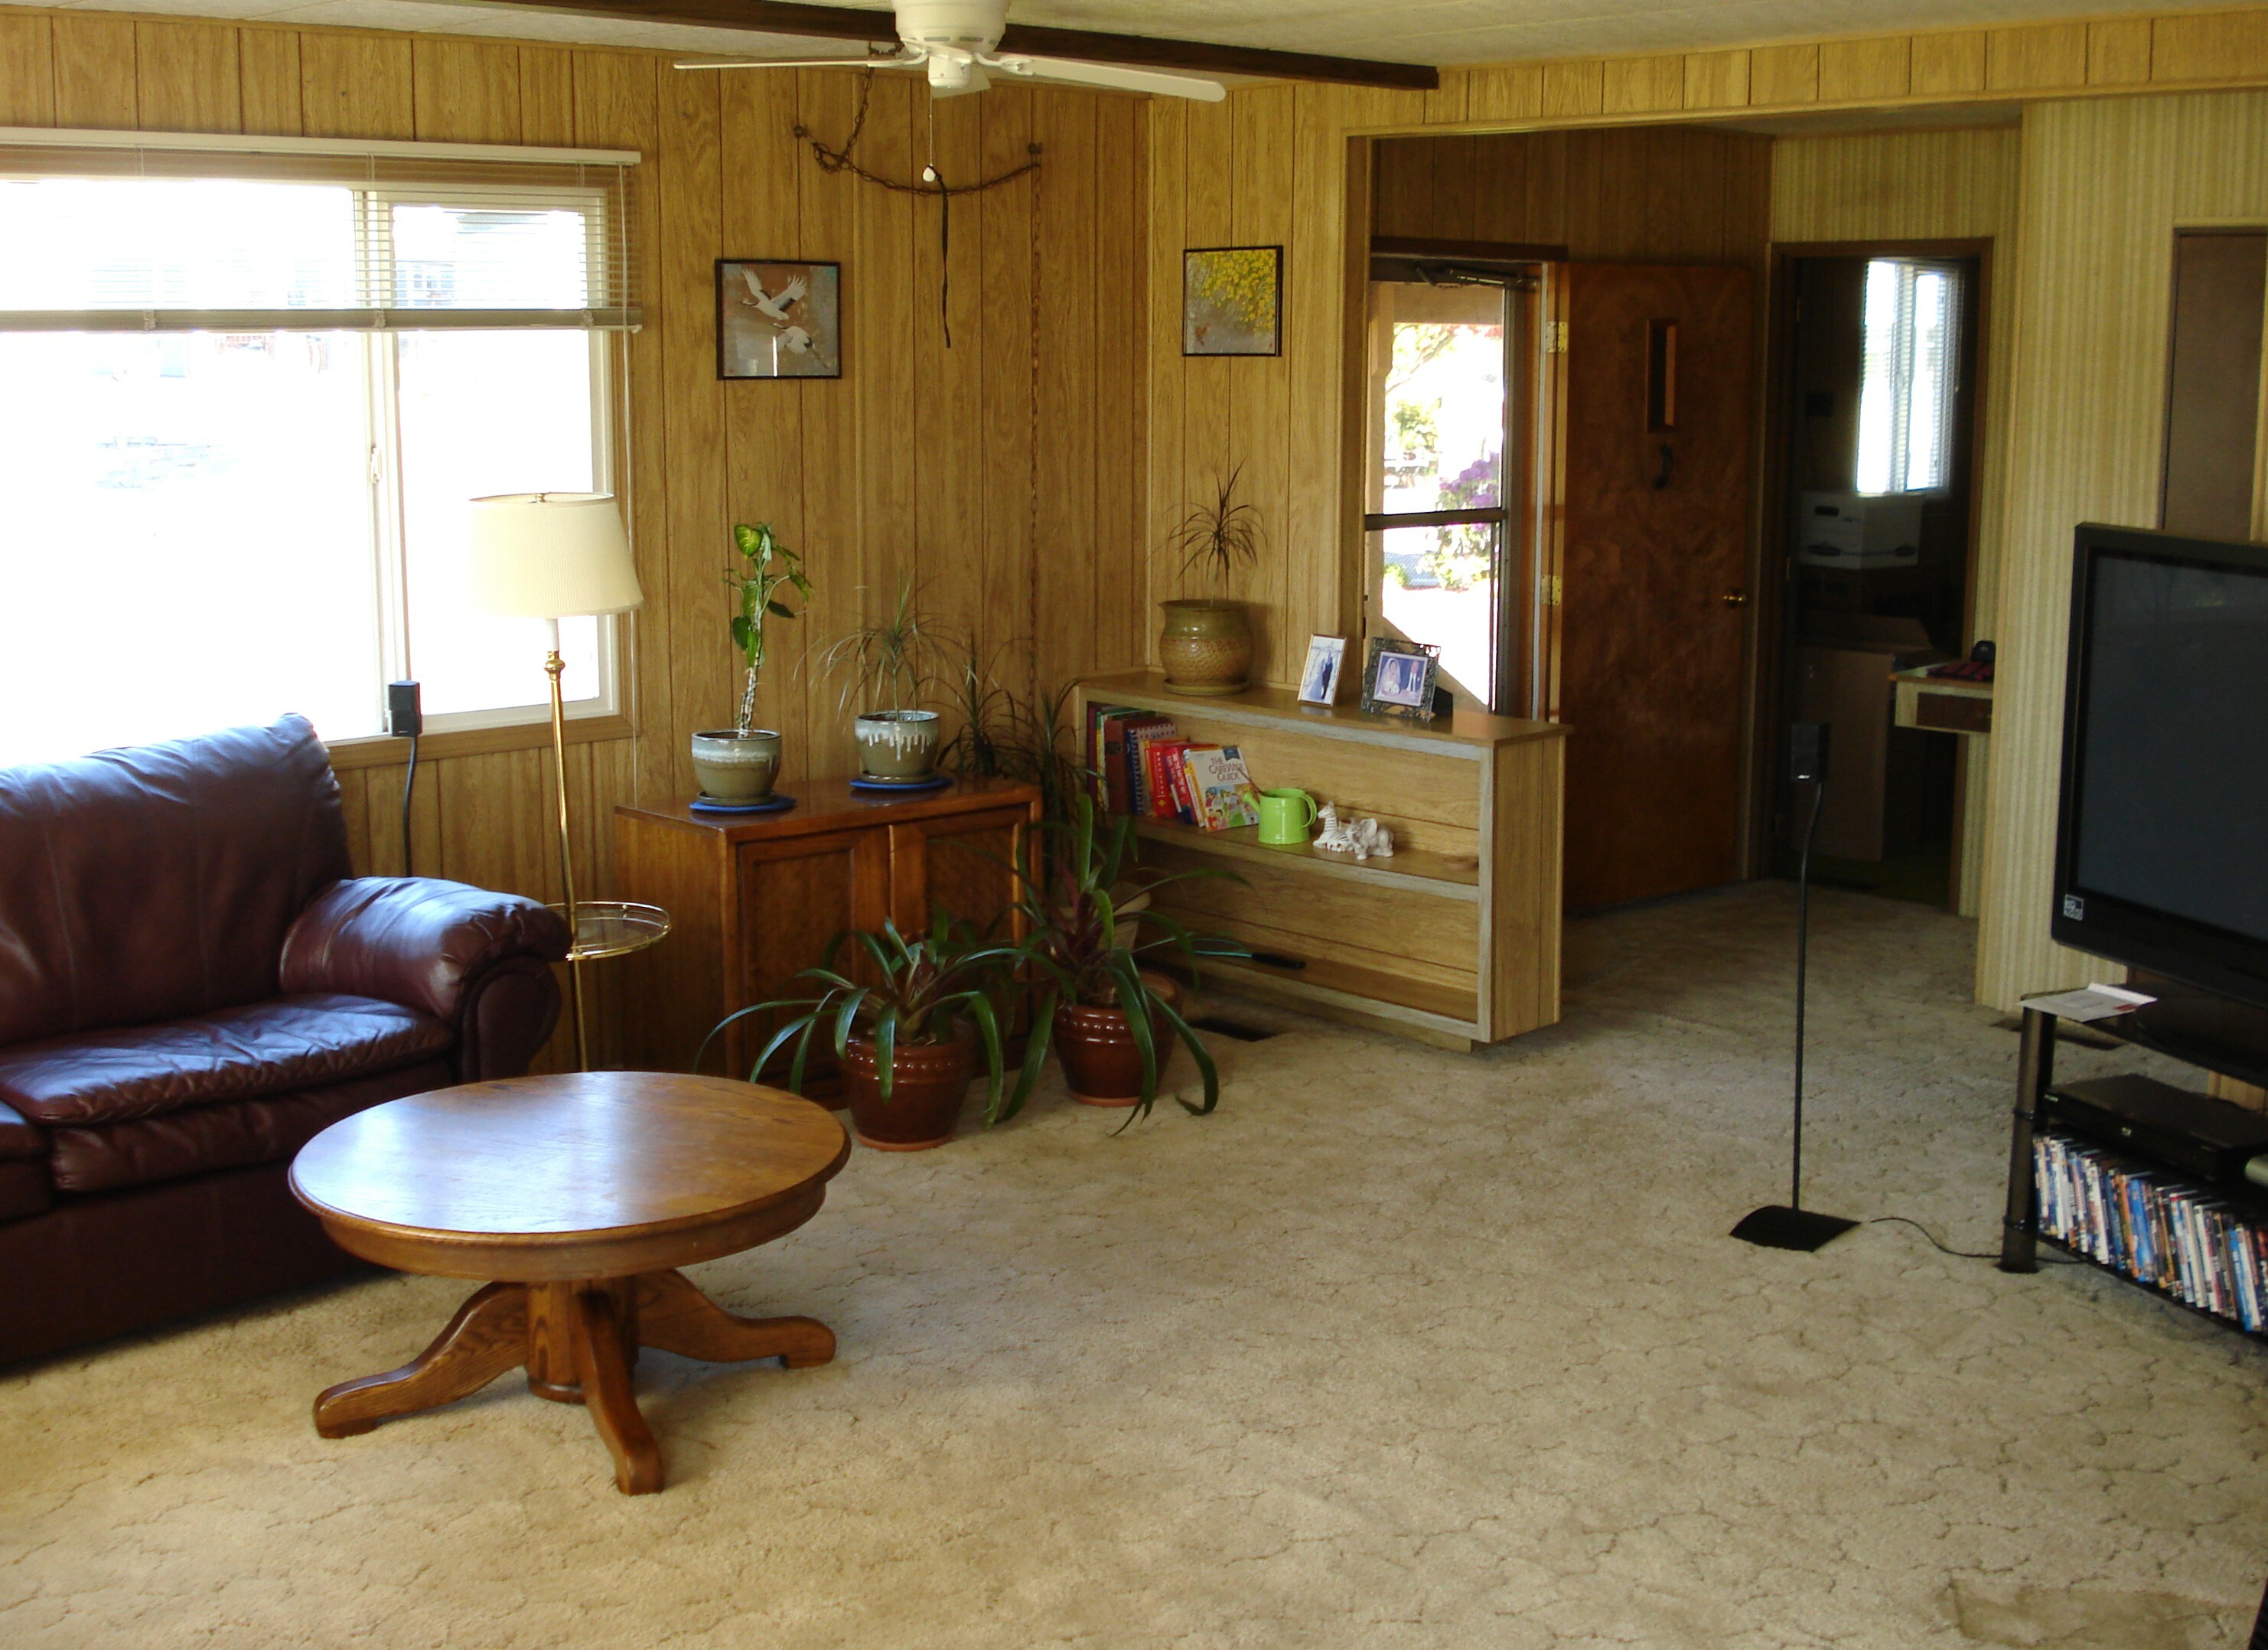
{"x":735,"y":767}
{"x":929,"y":1081}
{"x":1206,"y":646}
{"x":1101,"y":1063}
{"x":896,"y":744}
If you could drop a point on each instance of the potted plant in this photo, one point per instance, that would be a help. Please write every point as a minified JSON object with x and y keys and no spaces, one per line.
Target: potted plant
{"x":1112,"y":1022}
{"x":1005,"y":735}
{"x":908,"y":1036}
{"x":891,"y":666}
{"x":1206,"y":644}
{"x":740,"y":763}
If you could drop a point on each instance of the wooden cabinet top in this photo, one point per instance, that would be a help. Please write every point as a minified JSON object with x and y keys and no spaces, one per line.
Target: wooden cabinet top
{"x":832,"y":805}
{"x":1467,"y":733}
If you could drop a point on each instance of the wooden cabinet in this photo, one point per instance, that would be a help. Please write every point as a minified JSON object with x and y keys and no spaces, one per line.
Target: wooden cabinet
{"x":1453,"y":940}
{"x":754,"y":899}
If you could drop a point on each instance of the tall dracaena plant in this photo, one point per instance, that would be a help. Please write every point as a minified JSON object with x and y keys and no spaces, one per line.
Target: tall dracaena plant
{"x":770,"y":565}
{"x":891,"y":663}
{"x":1077,"y":878}
{"x":927,"y":990}
{"x":1216,"y":537}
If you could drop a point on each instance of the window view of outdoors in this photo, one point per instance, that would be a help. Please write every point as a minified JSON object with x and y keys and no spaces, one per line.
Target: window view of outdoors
{"x":201,"y":526}
{"x":1905,"y":397}
{"x":1439,"y":436}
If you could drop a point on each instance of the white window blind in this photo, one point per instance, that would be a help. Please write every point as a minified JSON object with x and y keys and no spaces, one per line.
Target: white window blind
{"x":1913,"y":321}
{"x":135,"y":232}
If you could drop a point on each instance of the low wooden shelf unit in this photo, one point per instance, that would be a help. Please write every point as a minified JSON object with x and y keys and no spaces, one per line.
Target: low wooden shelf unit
{"x":1454,"y":939}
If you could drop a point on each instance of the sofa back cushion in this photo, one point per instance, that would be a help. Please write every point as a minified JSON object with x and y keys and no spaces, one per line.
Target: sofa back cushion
{"x":159,"y":882}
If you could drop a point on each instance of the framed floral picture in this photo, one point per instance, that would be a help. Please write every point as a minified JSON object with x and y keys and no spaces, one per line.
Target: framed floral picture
{"x":778,"y":319}
{"x":1232,"y":300}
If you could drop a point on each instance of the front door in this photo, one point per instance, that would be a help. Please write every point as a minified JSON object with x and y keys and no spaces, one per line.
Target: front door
{"x":1648,"y":644}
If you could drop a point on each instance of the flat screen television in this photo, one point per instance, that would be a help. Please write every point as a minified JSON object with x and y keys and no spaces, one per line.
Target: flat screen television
{"x":2161,"y":850}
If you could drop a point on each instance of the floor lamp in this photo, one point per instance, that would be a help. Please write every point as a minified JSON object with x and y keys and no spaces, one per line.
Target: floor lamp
{"x":552,"y":557}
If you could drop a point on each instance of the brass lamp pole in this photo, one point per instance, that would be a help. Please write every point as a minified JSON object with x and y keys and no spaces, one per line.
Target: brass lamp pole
{"x":550,"y":557}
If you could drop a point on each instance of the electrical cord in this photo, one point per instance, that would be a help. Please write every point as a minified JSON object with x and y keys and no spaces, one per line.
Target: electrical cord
{"x":1966,"y":1254}
{"x":408,"y":783}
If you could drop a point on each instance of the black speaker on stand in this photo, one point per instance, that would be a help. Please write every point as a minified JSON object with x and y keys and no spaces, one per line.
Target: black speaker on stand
{"x":1790,"y":1225}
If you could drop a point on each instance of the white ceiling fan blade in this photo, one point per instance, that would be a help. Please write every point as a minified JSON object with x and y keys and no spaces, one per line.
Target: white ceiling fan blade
{"x":1110,"y":76}
{"x":902,"y":60}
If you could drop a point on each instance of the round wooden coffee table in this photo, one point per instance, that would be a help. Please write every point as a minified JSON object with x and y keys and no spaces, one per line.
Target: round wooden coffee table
{"x":576,"y":1198}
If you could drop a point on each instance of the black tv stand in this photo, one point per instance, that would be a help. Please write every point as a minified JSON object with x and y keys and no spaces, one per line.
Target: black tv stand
{"x":2186,"y":1023}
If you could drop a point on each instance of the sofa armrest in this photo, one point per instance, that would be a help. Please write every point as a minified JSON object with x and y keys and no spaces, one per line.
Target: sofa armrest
{"x":418,"y":941}
{"x":19,"y":1136}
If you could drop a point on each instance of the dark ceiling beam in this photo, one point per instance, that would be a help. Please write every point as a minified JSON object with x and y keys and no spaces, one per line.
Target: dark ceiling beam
{"x":845,"y":23}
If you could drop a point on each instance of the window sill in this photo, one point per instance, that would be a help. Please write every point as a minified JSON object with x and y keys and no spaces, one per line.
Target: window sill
{"x":379,"y":751}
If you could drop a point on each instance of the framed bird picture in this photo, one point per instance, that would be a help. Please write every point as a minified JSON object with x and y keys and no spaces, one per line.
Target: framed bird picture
{"x":778,"y":319}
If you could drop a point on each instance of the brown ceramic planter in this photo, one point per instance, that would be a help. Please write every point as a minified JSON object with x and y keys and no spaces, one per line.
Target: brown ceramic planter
{"x":1102,"y":1064}
{"x":1205,"y":647}
{"x":931,"y":1081}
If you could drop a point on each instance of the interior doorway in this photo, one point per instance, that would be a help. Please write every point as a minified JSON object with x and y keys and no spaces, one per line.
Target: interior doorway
{"x":1878,"y":351}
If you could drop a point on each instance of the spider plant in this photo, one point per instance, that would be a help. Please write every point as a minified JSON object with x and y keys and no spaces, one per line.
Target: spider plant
{"x":1085,"y":901}
{"x":1003,"y":734}
{"x":770,"y":565}
{"x":934,"y":989}
{"x":888,"y":663}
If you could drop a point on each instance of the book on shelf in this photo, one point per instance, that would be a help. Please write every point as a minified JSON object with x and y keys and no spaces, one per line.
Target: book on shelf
{"x":1140,"y":733}
{"x":1166,"y":800}
{"x":2152,"y":1227}
{"x":1222,"y":791}
{"x":1106,"y":755}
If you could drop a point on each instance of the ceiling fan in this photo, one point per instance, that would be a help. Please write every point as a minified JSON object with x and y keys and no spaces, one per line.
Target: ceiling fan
{"x":956,"y":44}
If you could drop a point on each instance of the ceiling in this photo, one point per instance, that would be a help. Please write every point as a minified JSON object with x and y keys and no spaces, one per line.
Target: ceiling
{"x":1441,"y":32}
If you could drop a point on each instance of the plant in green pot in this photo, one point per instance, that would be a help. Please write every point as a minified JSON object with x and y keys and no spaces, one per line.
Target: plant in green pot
{"x":1113,"y":1023}
{"x":907,"y":1033}
{"x":891,"y":667}
{"x":740,"y":763}
{"x":1206,"y":644}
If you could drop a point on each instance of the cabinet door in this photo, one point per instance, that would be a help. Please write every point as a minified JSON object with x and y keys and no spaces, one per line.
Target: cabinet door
{"x":958,"y":863}
{"x":795,"y":896}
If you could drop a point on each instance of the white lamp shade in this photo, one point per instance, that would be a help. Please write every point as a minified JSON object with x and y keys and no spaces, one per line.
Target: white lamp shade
{"x":549,"y":556}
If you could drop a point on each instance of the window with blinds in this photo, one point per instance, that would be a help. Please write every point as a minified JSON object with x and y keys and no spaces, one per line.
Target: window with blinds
{"x":250,"y":387}
{"x":1911,"y":367}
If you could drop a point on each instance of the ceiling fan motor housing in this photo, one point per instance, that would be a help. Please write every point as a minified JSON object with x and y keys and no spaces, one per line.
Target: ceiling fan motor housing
{"x":954,"y":33}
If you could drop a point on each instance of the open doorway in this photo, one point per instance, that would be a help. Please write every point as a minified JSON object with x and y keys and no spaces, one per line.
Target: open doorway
{"x":1879,"y":349}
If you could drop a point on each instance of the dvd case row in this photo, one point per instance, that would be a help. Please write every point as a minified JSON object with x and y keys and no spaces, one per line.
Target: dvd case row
{"x":2151,"y":1226}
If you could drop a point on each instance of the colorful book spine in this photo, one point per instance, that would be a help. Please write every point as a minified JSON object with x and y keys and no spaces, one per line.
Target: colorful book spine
{"x":1141,"y":733}
{"x":1109,"y":759}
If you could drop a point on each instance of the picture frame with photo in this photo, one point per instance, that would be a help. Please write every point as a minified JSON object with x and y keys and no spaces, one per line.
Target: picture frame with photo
{"x":1319,"y":679}
{"x":778,"y":318}
{"x":1398,"y":678}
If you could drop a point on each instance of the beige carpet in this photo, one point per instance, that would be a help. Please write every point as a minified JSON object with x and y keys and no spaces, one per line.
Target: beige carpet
{"x":1399,"y":1349}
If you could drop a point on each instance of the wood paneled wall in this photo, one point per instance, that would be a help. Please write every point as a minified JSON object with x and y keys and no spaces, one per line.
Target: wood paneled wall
{"x":1630,"y":195}
{"x":2104,"y":185}
{"x":1930,"y":186}
{"x":1004,"y":474}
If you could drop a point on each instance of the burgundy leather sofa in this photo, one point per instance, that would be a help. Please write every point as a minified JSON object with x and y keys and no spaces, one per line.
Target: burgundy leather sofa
{"x":192,"y":984}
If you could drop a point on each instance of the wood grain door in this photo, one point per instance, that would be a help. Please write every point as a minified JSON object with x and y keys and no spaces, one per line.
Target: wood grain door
{"x":796,"y":894}
{"x":958,"y":863}
{"x":1659,"y":415}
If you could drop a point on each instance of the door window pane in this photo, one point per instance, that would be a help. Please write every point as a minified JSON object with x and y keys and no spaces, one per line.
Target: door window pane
{"x":186,"y":542}
{"x":482,"y":413}
{"x":1439,"y":441}
{"x":1440,"y":586}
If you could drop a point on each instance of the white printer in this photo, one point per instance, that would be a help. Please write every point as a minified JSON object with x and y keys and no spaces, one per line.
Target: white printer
{"x":1858,"y":530}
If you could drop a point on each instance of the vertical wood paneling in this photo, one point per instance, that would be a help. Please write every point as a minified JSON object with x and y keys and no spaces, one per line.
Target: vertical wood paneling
{"x":1947,"y":65}
{"x":1009,"y":214}
{"x":1063,"y":566}
{"x":1717,"y":80}
{"x":1572,"y":89}
{"x":2119,"y":52}
{"x":95,"y":70}
{"x":547,"y":96}
{"x":2043,"y":57}
{"x":2218,"y":47}
{"x":1121,"y":275}
{"x":186,"y":76}
{"x":1863,"y":71}
{"x":28,"y":69}
{"x":268,"y":82}
{"x":1780,"y":75}
{"x":1642,"y":85}
{"x":465,"y":92}
{"x":356,"y":85}
{"x":1260,"y":398}
{"x":1170,"y":235}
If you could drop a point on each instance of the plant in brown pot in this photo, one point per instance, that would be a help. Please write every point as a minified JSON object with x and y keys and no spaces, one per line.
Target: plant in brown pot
{"x":909,"y":1035}
{"x":1113,"y":1023}
{"x":1206,"y":644}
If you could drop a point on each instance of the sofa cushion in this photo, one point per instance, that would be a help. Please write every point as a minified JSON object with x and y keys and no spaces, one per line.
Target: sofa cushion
{"x":229,"y":1135}
{"x":20,"y":1136}
{"x":270,"y":1047}
{"x":147,"y":884}
{"x":25,"y":1187}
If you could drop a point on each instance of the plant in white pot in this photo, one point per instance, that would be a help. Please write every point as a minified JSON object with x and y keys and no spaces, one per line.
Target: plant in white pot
{"x":890,"y":665}
{"x":1206,"y":644}
{"x":740,"y":763}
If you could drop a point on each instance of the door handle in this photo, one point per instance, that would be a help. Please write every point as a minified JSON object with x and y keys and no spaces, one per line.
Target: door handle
{"x":1736,"y":598}
{"x":1669,"y":459}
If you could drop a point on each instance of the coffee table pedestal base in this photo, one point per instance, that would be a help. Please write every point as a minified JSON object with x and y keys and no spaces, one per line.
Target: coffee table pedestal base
{"x":577,"y":1342}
